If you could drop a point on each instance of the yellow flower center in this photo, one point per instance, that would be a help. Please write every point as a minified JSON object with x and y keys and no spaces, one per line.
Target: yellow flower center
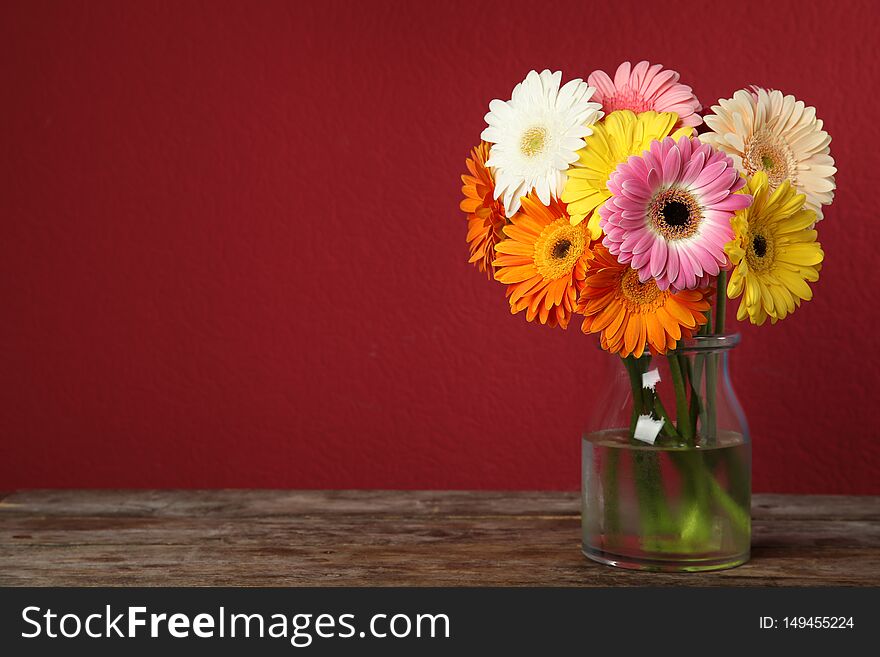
{"x":765,"y":152}
{"x":638,"y":296}
{"x":559,"y":247}
{"x":533,"y":141}
{"x":675,"y":214}
{"x":760,"y":250}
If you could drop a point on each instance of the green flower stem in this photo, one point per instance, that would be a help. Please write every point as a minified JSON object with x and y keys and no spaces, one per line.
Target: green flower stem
{"x":681,"y":407}
{"x":611,"y":490}
{"x":654,"y":513}
{"x":741,"y":518}
{"x":668,"y":427}
{"x":646,"y":481}
{"x":701,"y":370}
{"x":721,"y":302}
{"x":696,"y":511}
{"x":610,"y":481}
{"x":711,"y":433}
{"x":644,"y":399}
{"x":711,"y":424}
{"x":635,"y":382}
{"x":694,"y":385}
{"x":698,"y":408}
{"x":702,"y":487}
{"x":696,"y":514}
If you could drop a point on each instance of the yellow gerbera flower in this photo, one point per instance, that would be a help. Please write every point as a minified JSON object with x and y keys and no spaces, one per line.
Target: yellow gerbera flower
{"x":615,"y":138}
{"x":774,"y":252}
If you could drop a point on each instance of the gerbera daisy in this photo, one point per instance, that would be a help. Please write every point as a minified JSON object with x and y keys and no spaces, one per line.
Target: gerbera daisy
{"x":765,"y":131}
{"x":644,"y":87}
{"x":670,"y":210}
{"x":775,"y":253}
{"x":485,"y":214}
{"x":619,"y":135}
{"x":631,"y":315}
{"x":536,"y":134}
{"x":543,"y":261}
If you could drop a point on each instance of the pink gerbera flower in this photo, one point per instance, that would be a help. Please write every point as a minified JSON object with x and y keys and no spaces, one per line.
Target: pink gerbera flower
{"x":670,"y":210}
{"x":645,"y":87}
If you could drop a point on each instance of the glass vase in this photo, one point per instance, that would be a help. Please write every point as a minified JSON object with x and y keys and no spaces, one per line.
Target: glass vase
{"x":666,"y":463}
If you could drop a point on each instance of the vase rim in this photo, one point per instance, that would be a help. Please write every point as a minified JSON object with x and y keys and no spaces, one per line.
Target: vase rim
{"x":719,"y":342}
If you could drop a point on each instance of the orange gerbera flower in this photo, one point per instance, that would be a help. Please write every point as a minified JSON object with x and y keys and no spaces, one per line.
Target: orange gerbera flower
{"x":631,"y":315}
{"x":485,"y":214}
{"x":543,"y":261}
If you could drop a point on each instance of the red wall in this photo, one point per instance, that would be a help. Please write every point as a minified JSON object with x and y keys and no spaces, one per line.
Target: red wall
{"x":232,"y":255}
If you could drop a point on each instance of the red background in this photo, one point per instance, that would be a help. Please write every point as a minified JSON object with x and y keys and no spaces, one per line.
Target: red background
{"x":232,"y":254}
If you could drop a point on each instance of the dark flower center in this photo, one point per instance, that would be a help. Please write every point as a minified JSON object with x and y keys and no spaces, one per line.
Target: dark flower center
{"x":675,"y":213}
{"x":560,"y":249}
{"x":759,"y":245}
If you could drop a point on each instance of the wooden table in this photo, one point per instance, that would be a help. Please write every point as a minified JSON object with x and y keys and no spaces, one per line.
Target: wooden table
{"x":382,"y":538}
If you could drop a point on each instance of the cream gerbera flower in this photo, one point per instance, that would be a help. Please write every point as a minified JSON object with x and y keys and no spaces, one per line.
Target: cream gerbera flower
{"x":535,"y":136}
{"x":765,"y":131}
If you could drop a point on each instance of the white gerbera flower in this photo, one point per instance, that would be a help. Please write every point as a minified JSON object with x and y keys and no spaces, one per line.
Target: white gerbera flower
{"x":765,"y":131}
{"x":536,"y":134}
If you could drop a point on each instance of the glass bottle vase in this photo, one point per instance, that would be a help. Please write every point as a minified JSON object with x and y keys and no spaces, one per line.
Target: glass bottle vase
{"x":666,"y":463}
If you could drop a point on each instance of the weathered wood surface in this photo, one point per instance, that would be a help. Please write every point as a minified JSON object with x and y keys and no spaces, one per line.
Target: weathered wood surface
{"x":382,"y":538}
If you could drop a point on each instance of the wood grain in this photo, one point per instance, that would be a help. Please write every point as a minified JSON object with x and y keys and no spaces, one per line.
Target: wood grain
{"x":390,"y":538}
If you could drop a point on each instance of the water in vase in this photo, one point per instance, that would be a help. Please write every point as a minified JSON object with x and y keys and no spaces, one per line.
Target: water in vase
{"x":661,"y":508}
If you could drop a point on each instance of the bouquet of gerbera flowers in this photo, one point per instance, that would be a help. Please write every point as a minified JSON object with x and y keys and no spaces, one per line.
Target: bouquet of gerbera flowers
{"x":616,"y":201}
